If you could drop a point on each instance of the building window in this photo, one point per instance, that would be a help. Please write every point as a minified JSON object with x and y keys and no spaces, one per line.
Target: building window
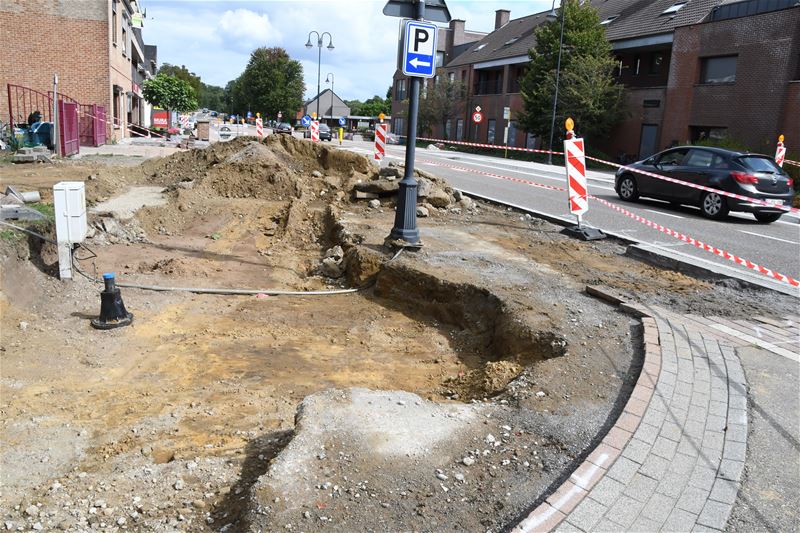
{"x":492,"y":124}
{"x":674,"y":8}
{"x":460,"y":129}
{"x":400,"y":126}
{"x":439,"y":59}
{"x":114,"y":23}
{"x":609,"y":20}
{"x":451,"y":76}
{"x":656,"y":60}
{"x":447,"y":129}
{"x":703,"y":133}
{"x":637,"y":63}
{"x":512,"y":134}
{"x":400,"y":90}
{"x":124,"y":38}
{"x":718,"y":69}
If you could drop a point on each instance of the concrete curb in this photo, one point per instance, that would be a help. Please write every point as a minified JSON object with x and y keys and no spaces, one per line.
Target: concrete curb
{"x":548,"y":515}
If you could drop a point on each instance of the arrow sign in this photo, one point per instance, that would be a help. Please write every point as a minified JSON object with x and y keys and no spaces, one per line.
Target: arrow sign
{"x":419,"y":49}
{"x":417,"y":63}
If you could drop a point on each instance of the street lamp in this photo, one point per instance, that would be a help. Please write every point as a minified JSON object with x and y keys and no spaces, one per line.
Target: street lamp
{"x":319,"y":56}
{"x":329,"y":79}
{"x":552,"y":15}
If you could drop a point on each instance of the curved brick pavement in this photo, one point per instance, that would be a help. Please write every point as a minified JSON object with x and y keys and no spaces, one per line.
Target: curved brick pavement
{"x":674,"y":459}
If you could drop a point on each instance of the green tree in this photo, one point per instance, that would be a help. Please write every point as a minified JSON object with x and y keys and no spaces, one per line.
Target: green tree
{"x":171,"y":93}
{"x":182,"y":73}
{"x":374,"y":107}
{"x":439,"y":103}
{"x":270,"y":83}
{"x":212,"y":97}
{"x":588,"y":91}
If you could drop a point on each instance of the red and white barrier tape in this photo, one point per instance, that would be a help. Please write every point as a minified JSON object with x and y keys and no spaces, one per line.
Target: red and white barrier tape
{"x":689,"y":240}
{"x":750,"y":199}
{"x":115,"y":121}
{"x":699,"y":187}
{"x":793,"y":163}
{"x":495,"y":146}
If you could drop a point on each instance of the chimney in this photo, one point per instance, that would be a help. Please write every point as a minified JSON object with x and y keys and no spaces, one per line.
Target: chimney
{"x":456,"y":33}
{"x":501,"y":17}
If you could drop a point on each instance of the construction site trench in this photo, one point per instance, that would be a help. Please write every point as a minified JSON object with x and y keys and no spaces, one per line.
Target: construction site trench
{"x":454,"y":390}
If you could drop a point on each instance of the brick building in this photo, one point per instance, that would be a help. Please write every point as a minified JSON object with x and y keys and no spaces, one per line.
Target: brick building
{"x":90,"y":44}
{"x":691,"y":68}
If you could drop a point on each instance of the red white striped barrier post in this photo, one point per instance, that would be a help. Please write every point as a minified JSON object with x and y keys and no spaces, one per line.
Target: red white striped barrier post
{"x":314,"y":131}
{"x":780,"y":153}
{"x":259,"y":125}
{"x":380,"y":141}
{"x":577,"y":190}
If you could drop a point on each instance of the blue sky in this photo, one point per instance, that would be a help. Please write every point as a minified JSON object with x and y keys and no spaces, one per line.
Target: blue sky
{"x":214,"y":38}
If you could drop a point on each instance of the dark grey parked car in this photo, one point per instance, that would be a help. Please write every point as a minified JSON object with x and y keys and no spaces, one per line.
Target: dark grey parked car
{"x":283,"y":127}
{"x":753,"y":175}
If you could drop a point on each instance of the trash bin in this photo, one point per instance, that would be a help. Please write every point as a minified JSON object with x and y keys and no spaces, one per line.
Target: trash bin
{"x":203,"y":130}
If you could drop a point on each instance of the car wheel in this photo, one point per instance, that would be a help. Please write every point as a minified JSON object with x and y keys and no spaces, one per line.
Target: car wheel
{"x":714,"y":206}
{"x":628,"y":190}
{"x":767,"y":218}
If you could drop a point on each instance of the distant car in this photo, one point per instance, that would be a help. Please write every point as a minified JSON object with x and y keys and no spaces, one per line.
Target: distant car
{"x":324,"y":133}
{"x":743,"y":173}
{"x":284,"y":127}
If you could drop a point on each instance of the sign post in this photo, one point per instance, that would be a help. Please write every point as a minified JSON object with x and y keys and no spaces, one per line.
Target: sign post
{"x":507,"y":117}
{"x":477,"y":117}
{"x":259,"y":125}
{"x":419,"y":61}
{"x":577,"y":191}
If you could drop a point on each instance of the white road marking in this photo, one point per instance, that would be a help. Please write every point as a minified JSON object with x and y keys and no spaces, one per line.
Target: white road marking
{"x":768,"y":237}
{"x":663,"y":213}
{"x":534,"y":174}
{"x":793,"y":356}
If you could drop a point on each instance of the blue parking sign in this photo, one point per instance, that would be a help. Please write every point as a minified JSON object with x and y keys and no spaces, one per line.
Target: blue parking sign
{"x":419,"y":49}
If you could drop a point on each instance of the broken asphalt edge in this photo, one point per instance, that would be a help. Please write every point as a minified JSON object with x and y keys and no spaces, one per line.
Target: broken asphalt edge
{"x":658,"y":256}
{"x":557,"y":505}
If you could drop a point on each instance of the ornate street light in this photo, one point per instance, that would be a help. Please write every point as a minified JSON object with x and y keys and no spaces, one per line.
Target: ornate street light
{"x":319,"y":55}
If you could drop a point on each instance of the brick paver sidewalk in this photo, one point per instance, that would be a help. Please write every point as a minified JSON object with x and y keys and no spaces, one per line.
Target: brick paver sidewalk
{"x":675,"y":457}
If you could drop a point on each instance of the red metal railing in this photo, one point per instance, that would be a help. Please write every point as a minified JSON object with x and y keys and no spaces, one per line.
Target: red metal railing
{"x":22,"y":101}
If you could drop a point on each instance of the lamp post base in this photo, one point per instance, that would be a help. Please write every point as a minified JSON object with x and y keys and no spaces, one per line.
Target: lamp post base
{"x":405,"y":219}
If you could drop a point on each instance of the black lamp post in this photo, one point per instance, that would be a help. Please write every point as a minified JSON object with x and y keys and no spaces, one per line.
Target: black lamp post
{"x":319,"y":55}
{"x":552,"y":15}
{"x":329,"y":79}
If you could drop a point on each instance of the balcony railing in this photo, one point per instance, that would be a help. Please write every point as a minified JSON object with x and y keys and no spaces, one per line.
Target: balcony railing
{"x":494,"y":86}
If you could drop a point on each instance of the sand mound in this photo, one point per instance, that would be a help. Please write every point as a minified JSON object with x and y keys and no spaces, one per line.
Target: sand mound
{"x":277,"y":168}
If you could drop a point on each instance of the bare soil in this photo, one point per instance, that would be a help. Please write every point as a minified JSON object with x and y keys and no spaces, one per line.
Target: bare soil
{"x":185,"y":420}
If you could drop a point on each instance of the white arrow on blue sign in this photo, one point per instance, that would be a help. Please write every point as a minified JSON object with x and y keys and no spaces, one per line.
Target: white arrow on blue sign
{"x":342,"y":121}
{"x":419,"y":49}
{"x":305,"y":121}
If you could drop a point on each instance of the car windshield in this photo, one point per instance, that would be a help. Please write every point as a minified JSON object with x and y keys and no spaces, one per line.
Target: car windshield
{"x":324,"y":127}
{"x":284,"y":125}
{"x":759,"y":164}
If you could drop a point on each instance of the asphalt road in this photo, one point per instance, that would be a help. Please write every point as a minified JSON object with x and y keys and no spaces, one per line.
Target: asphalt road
{"x":775,"y":246}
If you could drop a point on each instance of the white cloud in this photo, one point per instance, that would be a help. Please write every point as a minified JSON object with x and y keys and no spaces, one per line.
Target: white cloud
{"x":244,"y":30}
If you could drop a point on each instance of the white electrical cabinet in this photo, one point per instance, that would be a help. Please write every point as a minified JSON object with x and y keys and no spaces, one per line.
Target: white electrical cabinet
{"x":69,"y":202}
